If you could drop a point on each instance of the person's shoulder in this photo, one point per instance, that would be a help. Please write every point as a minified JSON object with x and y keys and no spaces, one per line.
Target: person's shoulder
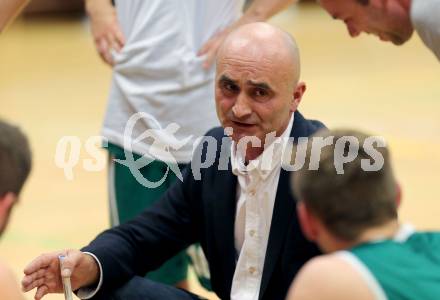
{"x":8,"y":285}
{"x":306,"y":126}
{"x":216,"y":132}
{"x":424,"y":16}
{"x":328,"y":277}
{"x":314,"y":125}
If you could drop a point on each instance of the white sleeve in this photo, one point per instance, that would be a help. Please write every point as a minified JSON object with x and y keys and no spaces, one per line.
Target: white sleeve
{"x":89,"y":292}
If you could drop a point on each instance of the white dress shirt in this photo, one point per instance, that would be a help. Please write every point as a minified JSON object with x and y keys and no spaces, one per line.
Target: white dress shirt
{"x":256,"y":191}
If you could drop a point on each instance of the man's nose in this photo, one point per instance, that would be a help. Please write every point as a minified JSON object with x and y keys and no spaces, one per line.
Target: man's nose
{"x":241,"y":107}
{"x":352,"y":30}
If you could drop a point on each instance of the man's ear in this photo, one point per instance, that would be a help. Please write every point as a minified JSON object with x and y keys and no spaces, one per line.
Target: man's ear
{"x":6,"y":203}
{"x":297,"y":95}
{"x":398,"y":195}
{"x":307,"y":222}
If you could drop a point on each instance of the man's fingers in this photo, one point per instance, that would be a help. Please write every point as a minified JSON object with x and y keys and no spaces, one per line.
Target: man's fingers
{"x":27,"y":280}
{"x":210,"y":49}
{"x":209,"y":60}
{"x":41,"y":262}
{"x":208,"y":45}
{"x":104,"y":51}
{"x":113,"y":42}
{"x":106,"y":54}
{"x":119,"y":38}
{"x":34,"y":284}
{"x":116,"y":46}
{"x":102,"y":46}
{"x":108,"y":58}
{"x":41,"y":291}
{"x":202,"y":50}
{"x":205,"y":48}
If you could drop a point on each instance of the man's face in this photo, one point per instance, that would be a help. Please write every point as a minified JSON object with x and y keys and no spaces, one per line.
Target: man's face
{"x":386,"y":19}
{"x":254,"y":94}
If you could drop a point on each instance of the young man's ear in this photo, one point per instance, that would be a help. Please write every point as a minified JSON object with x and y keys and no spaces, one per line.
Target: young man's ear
{"x":307,"y":222}
{"x":6,"y":203}
{"x":398,"y":195}
{"x":297,"y":95}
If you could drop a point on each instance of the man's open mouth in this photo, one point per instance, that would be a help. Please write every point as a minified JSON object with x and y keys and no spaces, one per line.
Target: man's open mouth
{"x":241,"y":124}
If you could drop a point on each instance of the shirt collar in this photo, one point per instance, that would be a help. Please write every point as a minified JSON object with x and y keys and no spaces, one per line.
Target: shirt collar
{"x":264,"y":164}
{"x":405,"y":231}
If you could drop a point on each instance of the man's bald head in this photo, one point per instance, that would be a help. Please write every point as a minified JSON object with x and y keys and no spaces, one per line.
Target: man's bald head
{"x":262,"y":41}
{"x":257,"y":82}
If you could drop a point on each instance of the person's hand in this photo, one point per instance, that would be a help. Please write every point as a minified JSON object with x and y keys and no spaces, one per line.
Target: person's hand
{"x":105,"y":29}
{"x":210,"y":48}
{"x":44,"y":273}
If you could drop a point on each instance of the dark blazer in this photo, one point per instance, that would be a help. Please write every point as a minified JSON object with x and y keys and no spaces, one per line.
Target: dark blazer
{"x":203,"y":211}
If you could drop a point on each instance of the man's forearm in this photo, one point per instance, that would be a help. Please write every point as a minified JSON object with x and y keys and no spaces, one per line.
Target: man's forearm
{"x":97,"y":6}
{"x":261,"y":10}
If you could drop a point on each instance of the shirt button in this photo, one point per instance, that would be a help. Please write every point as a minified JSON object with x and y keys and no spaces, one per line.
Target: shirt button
{"x":252,"y":233}
{"x":252,"y":270}
{"x":252,"y":192}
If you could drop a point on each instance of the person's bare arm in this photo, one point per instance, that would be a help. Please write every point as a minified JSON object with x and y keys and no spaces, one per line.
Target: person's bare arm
{"x":8,"y":285}
{"x":9,"y":9}
{"x":105,"y":28}
{"x":258,"y":11}
{"x":329,"y":278}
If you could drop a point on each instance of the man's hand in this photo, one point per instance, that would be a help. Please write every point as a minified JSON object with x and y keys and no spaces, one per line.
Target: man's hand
{"x":211,"y":47}
{"x":44,"y":272}
{"x":105,"y":28}
{"x":258,"y":11}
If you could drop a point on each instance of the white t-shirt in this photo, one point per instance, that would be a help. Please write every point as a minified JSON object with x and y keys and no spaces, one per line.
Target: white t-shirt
{"x":425,"y":17}
{"x":159,"y":73}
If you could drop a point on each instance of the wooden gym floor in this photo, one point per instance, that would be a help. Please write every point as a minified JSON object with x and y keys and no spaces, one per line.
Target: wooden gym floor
{"x":53,"y":84}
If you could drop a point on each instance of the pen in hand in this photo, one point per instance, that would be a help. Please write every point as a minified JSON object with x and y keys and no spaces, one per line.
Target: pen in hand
{"x":67,"y":287}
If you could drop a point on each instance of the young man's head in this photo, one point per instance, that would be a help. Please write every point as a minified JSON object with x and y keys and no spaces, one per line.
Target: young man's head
{"x":336,"y":208}
{"x":387,"y":19}
{"x":15,"y":165}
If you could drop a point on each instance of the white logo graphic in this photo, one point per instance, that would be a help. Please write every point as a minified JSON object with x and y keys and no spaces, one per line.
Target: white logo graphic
{"x":158,"y":150}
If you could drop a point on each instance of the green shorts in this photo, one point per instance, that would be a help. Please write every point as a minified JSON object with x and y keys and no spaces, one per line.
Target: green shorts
{"x":128,"y":198}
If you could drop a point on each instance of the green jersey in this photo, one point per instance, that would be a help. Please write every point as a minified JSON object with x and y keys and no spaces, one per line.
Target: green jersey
{"x":406,"y":268}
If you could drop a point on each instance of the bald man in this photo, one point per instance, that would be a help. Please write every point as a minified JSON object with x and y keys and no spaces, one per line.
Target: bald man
{"x":234,"y":199}
{"x":390,"y":20}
